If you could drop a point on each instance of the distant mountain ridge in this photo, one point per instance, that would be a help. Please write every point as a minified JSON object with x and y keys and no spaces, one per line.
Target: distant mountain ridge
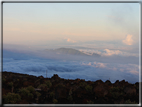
{"x":71,"y":51}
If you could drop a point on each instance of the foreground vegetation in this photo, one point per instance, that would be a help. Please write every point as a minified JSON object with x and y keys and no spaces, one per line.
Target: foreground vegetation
{"x":27,"y":89}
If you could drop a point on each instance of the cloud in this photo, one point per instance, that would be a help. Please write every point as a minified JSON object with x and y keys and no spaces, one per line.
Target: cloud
{"x":112,"y":52}
{"x":121,"y":70}
{"x":95,"y":64}
{"x":128,"y":40}
{"x":70,"y":40}
{"x":134,"y":72}
{"x":100,"y":65}
{"x":109,"y":52}
{"x":86,"y":63}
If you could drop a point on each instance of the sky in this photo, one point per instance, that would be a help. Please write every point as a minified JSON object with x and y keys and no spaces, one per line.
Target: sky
{"x":72,"y":23}
{"x":111,"y":30}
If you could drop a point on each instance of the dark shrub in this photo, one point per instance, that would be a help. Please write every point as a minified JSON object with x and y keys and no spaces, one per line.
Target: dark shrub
{"x":55,"y":101}
{"x":11,"y":98}
{"x":10,"y":84}
{"x":82,"y":84}
{"x":42,"y":86}
{"x":88,"y":88}
{"x":129,"y":102}
{"x":48,"y":83}
{"x":52,"y":94}
{"x":38,"y":94}
{"x":25,"y":93}
{"x":30,"y":88}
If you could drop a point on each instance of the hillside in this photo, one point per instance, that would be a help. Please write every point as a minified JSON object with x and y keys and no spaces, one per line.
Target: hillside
{"x":27,"y":89}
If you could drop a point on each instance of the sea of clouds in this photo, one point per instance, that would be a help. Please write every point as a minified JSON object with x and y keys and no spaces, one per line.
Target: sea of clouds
{"x":70,"y":69}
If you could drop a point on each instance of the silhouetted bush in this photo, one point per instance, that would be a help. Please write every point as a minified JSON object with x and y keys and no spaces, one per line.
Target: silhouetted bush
{"x":48,"y":83}
{"x":52,"y":94}
{"x":82,"y":84}
{"x":114,"y":89}
{"x":88,"y":88}
{"x":11,"y":98}
{"x":25,"y":93}
{"x":90,"y":102}
{"x":55,"y":101}
{"x":115,"y":95}
{"x":10,"y":84}
{"x":42,"y":86}
{"x":70,"y":98}
{"x":3,"y":79}
{"x":65,"y":91}
{"x":31,"y":89}
{"x":60,"y":85}
{"x":129,"y":102}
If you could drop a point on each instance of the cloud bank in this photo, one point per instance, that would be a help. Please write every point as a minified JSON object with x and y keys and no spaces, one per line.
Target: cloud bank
{"x":74,"y":69}
{"x":89,"y":69}
{"x":128,"y":40}
{"x":108,"y":52}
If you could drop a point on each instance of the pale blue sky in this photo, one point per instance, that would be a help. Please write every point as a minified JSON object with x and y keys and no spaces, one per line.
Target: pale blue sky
{"x":26,"y":23}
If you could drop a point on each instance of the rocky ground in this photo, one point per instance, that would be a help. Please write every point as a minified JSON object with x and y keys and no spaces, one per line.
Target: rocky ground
{"x":27,"y":89}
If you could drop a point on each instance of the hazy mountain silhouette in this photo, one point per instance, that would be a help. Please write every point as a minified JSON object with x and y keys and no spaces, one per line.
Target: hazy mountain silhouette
{"x":71,"y":51}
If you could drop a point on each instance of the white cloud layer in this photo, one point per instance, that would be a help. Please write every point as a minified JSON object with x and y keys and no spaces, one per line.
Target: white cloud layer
{"x":74,"y":69}
{"x":128,"y":40}
{"x":94,"y":69}
{"x":112,"y":52}
{"x":108,"y":52}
